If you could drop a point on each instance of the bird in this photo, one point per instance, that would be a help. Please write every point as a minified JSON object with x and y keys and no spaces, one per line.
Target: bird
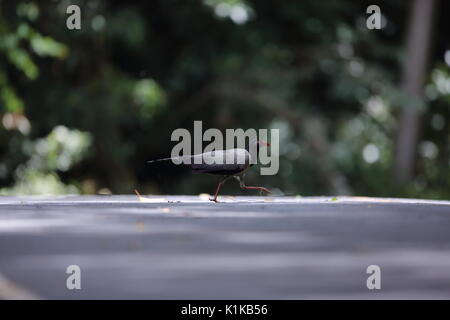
{"x":214,"y":163}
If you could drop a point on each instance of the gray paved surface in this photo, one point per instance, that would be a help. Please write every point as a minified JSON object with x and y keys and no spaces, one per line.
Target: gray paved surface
{"x":246,"y":247}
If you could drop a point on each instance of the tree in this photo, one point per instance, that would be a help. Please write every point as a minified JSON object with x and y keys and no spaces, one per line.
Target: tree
{"x":414,"y":74}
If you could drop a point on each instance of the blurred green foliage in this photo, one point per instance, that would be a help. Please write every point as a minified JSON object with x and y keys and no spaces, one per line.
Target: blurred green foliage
{"x":82,"y":110}
{"x":57,"y":152}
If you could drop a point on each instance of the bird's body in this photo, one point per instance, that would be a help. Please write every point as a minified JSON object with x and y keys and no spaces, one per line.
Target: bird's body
{"x":219,"y":162}
{"x":215,"y":162}
{"x":228,"y":163}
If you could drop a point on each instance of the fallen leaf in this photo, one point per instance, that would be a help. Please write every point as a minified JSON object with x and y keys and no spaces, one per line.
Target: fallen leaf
{"x":204,"y":196}
{"x":143,"y":199}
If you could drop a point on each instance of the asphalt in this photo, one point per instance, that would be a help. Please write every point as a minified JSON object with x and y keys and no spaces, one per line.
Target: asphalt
{"x":186,"y":247}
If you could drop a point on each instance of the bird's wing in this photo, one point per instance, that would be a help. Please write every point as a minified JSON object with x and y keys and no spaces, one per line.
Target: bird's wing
{"x":230,"y":156}
{"x":230,"y":160}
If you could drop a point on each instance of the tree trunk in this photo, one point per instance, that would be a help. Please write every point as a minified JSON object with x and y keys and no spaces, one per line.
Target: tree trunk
{"x":414,"y":73}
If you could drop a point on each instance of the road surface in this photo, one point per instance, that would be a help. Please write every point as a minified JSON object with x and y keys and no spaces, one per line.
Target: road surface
{"x":186,"y":247}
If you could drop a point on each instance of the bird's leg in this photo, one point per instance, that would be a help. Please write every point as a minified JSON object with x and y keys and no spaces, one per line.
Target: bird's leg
{"x":243,"y":186}
{"x":218,"y":188}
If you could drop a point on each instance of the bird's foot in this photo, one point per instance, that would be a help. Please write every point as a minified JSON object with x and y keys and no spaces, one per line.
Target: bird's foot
{"x":261,"y":189}
{"x":213,"y":199}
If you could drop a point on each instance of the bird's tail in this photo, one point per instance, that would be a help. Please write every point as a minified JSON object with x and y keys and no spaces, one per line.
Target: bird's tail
{"x":183,"y":158}
{"x":158,"y":160}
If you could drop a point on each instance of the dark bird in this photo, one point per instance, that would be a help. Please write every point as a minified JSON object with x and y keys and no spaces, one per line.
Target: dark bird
{"x":214,"y":162}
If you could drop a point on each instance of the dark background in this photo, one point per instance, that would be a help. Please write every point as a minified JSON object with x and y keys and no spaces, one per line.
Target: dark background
{"x":82,"y":110}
